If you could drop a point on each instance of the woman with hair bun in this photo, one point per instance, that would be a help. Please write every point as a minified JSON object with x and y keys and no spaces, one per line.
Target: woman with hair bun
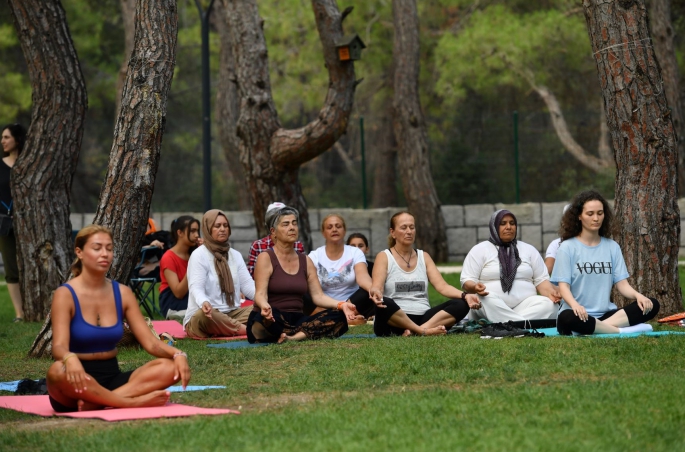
{"x":402,"y":274}
{"x":87,"y":323}
{"x":588,"y":265}
{"x":173,"y":290}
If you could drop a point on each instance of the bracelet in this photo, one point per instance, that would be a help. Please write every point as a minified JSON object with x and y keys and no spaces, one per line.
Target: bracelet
{"x":180,"y":354}
{"x":463,"y":295}
{"x":424,"y":332}
{"x":340,"y":303}
{"x":66,"y":357}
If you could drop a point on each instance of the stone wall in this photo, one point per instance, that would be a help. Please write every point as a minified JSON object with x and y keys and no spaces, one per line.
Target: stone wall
{"x":466,"y":225}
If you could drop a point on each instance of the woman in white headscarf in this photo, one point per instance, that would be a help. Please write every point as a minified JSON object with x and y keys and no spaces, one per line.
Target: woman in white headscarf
{"x":508,"y":275}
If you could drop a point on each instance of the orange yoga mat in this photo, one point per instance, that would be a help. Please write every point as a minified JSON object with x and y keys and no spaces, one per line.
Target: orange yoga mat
{"x":40,"y":405}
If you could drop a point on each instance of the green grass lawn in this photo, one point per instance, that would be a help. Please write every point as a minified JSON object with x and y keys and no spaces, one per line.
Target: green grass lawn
{"x":454,"y":392}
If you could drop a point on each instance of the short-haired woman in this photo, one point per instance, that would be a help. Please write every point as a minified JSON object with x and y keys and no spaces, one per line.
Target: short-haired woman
{"x":588,"y":265}
{"x":87,"y":324}
{"x":282,"y":278}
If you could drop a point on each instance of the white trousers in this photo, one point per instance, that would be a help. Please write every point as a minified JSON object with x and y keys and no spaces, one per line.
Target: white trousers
{"x":532,"y":308}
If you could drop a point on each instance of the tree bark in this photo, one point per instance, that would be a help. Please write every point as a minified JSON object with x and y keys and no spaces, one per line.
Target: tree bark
{"x":41,"y":181}
{"x":126,"y":194}
{"x":228,"y":109}
{"x":128,"y":14}
{"x":643,"y":138}
{"x":270,"y":154}
{"x":661,"y":27}
{"x":134,"y":158}
{"x":410,"y":131}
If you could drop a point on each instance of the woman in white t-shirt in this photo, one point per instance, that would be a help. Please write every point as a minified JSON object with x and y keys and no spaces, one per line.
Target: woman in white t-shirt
{"x":402,"y":273}
{"x":341,"y":269}
{"x":587,"y":266}
{"x":508,"y":275}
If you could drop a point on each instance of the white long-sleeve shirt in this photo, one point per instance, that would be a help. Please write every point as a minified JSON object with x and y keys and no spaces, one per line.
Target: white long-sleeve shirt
{"x":203,"y":282}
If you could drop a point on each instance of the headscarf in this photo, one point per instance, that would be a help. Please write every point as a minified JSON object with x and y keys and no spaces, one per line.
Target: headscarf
{"x":220,"y":252}
{"x":508,"y":253}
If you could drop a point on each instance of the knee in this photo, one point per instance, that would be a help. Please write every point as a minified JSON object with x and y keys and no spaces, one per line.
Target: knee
{"x":655,"y":307}
{"x":564,"y":321}
{"x":55,"y":373}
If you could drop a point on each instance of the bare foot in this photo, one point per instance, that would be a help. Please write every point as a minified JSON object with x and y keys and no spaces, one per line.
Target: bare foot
{"x":406,"y":333}
{"x":155,"y":398}
{"x":295,"y":337}
{"x":358,"y":320}
{"x":437,"y":331}
{"x":88,"y":406}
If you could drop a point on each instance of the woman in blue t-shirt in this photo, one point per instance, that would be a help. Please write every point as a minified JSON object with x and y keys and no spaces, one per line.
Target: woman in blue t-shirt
{"x":588,"y":265}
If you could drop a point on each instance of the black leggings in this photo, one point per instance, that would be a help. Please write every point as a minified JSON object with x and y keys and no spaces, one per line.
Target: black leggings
{"x":105,"y":372}
{"x":360,"y":299}
{"x":568,"y":322}
{"x":457,"y":308}
{"x":328,"y":323}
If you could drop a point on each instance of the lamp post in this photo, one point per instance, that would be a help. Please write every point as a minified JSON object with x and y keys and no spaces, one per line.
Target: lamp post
{"x":206,"y":115}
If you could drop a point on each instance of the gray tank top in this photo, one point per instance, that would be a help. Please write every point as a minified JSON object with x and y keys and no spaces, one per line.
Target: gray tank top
{"x":408,"y":289}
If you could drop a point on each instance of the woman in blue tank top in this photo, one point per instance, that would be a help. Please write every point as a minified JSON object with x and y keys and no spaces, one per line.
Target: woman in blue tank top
{"x":87,"y":316}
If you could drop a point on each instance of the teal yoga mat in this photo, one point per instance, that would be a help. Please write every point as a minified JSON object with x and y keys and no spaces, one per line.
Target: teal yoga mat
{"x":550,"y":332}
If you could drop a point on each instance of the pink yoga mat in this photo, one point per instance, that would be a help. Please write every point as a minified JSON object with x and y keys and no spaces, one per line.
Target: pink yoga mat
{"x":40,"y":405}
{"x":176,"y":330}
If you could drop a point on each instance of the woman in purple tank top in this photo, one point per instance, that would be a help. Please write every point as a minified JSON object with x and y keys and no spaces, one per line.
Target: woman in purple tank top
{"x":87,"y":316}
{"x":282,"y":278}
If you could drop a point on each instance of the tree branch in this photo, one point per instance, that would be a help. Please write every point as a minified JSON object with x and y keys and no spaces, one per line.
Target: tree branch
{"x":291,"y":148}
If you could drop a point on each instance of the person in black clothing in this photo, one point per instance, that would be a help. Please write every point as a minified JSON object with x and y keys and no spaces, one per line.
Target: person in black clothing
{"x":13,"y":139}
{"x":360,"y":241}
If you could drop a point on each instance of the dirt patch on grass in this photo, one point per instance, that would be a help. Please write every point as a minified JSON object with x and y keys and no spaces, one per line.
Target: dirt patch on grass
{"x":48,"y":424}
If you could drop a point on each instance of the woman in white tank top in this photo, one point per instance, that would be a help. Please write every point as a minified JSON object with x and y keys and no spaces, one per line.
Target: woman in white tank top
{"x":402,"y":274}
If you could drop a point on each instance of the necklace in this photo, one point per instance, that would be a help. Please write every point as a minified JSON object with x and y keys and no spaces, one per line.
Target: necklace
{"x":405,"y":260}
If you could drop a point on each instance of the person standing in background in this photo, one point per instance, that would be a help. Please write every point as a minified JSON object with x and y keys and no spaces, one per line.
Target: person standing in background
{"x":13,"y":139}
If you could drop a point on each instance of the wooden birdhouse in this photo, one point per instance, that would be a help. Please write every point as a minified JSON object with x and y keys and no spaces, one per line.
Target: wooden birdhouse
{"x":350,"y":48}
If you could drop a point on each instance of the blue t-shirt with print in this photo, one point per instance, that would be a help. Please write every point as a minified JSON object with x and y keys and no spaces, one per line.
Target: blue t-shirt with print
{"x":591,"y":271}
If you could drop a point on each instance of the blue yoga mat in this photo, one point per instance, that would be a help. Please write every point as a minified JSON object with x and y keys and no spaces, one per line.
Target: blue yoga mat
{"x":550,"y":332}
{"x":245,"y":344}
{"x":12,"y":387}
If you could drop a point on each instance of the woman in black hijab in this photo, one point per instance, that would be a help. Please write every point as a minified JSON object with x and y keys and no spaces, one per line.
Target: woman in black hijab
{"x":508,"y":275}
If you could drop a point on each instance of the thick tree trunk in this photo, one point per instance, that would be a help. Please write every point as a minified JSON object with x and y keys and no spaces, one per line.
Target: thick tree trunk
{"x":128,"y":14}
{"x":410,"y":131}
{"x":127,"y":191}
{"x":270,"y":154}
{"x":228,"y":109}
{"x":661,"y":27}
{"x":41,"y":181}
{"x":645,"y":145}
{"x":385,"y":171}
{"x":126,"y":194}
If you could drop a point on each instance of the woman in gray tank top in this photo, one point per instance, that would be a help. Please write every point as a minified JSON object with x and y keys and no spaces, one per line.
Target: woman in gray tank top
{"x":402,"y":275}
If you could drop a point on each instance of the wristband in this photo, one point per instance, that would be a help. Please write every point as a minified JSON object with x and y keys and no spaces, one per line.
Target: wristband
{"x":180,"y":354}
{"x":66,"y":357}
{"x":340,"y":303}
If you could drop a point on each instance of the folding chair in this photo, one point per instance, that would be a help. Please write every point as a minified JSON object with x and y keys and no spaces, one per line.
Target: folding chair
{"x":145,"y":286}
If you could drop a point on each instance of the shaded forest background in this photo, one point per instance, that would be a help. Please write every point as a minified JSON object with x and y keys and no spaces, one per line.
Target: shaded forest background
{"x":479,"y":61}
